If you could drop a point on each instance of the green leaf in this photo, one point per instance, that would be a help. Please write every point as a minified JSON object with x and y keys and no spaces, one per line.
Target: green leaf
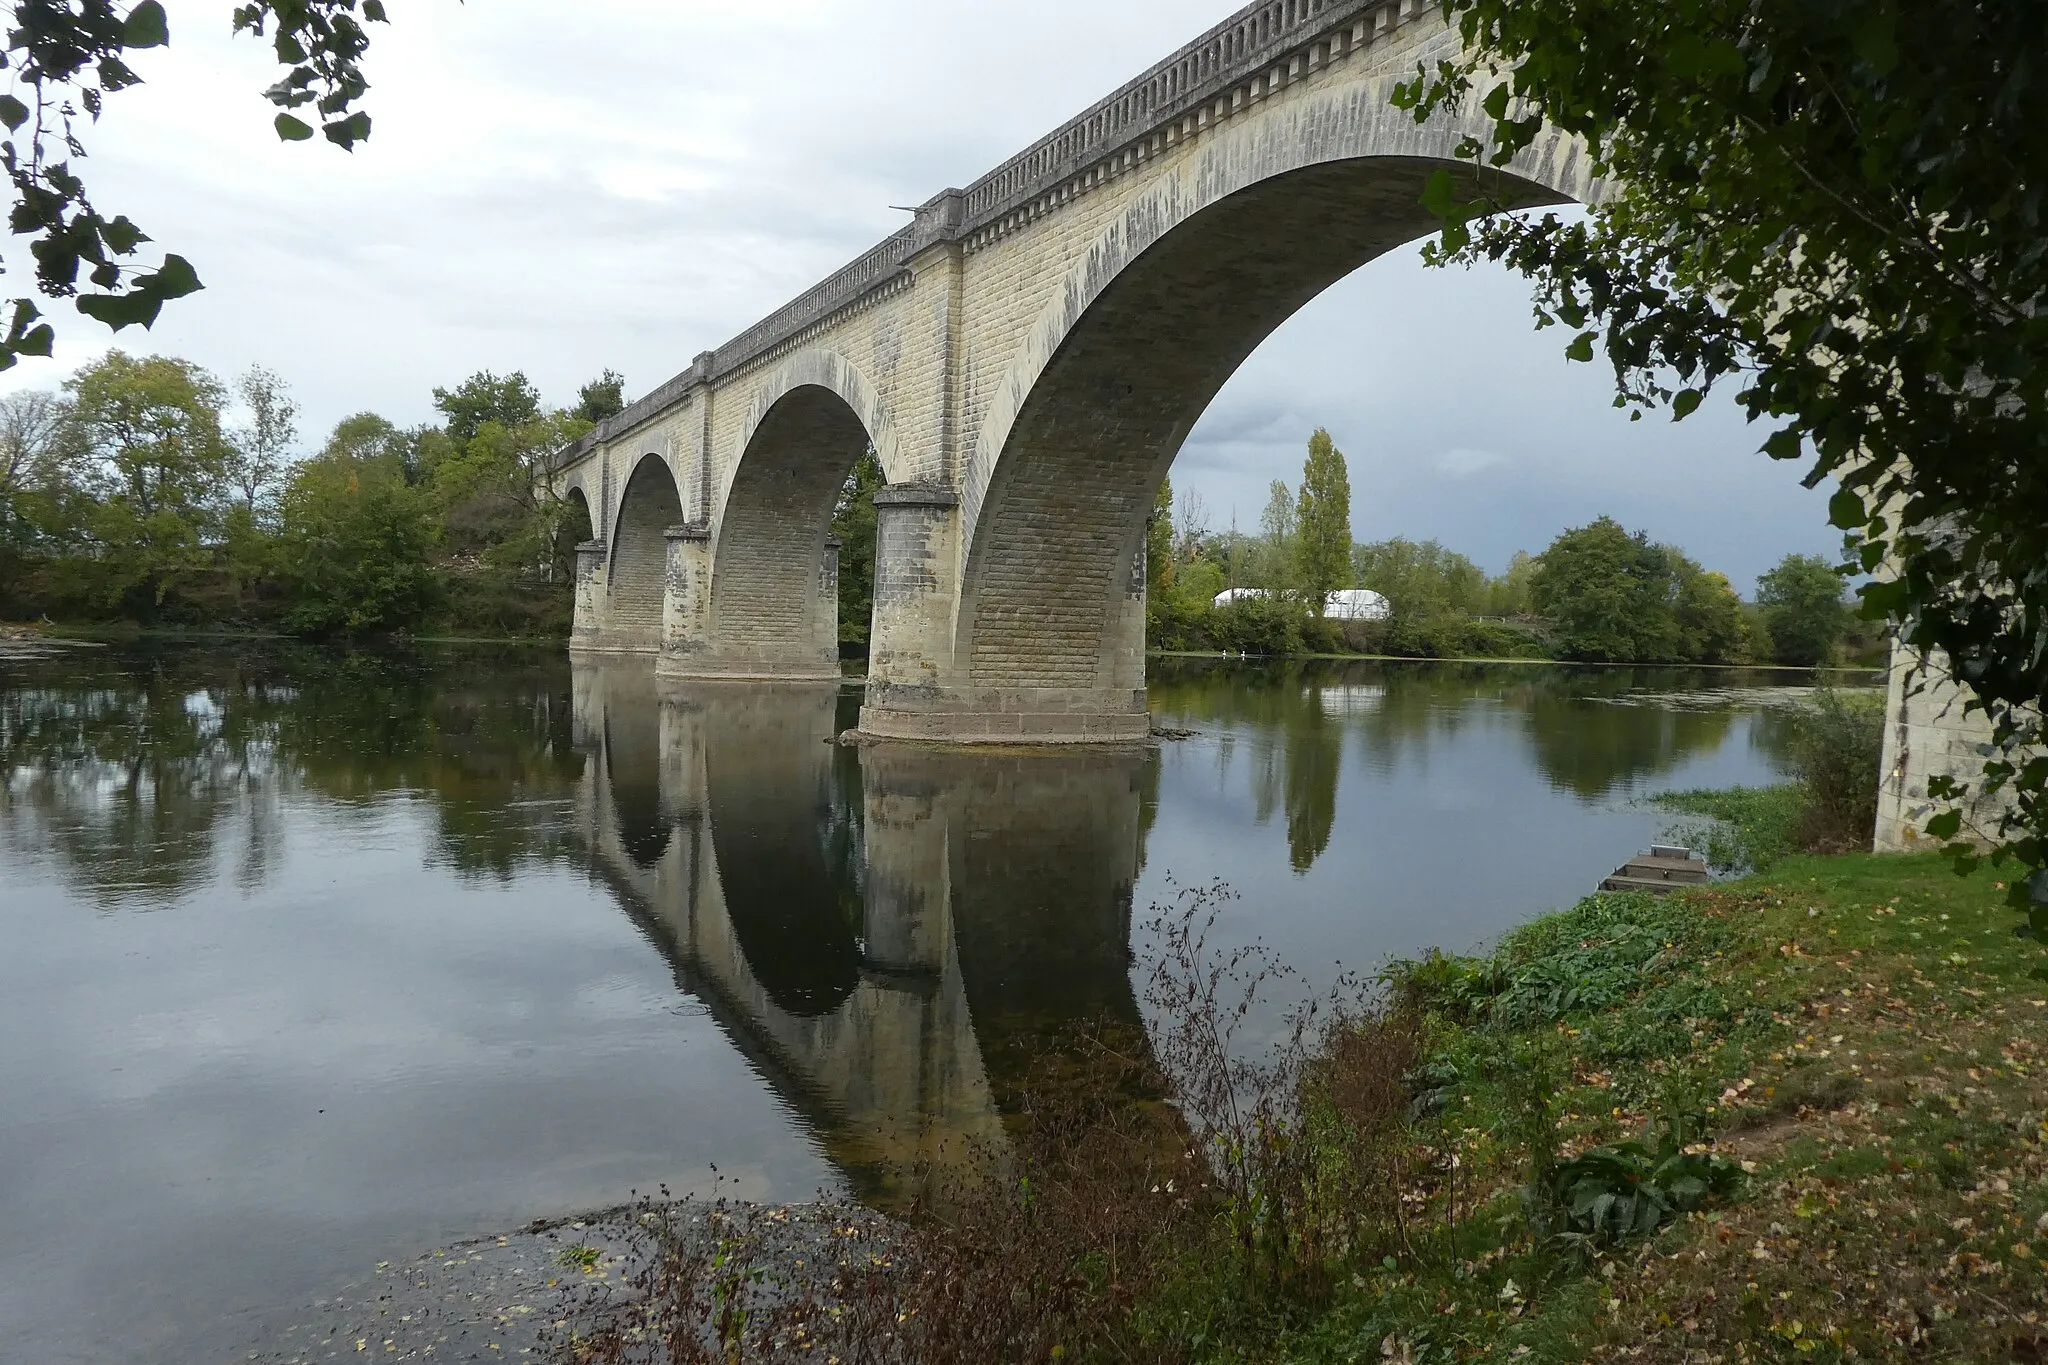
{"x":120,"y":310}
{"x":373,"y":10}
{"x":173,"y":280}
{"x":13,"y":112}
{"x":1946,"y":825}
{"x":346,"y":133}
{"x":1686,"y":404}
{"x":146,"y":26}
{"x":1440,"y":195}
{"x":293,"y":129}
{"x":1581,"y":347}
{"x":1846,"y":510}
{"x":1785,"y":445}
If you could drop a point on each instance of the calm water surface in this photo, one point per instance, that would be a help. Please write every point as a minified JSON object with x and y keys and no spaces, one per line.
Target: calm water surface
{"x":312,"y":961}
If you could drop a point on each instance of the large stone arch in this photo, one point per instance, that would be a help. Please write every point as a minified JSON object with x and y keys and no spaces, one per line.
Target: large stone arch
{"x":772,"y":609}
{"x":1129,"y":351}
{"x":637,"y":577}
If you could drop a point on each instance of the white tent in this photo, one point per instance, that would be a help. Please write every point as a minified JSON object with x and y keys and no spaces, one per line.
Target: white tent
{"x":1346,"y":604}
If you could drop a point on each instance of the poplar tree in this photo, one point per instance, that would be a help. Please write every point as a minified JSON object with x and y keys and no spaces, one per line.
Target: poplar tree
{"x":1322,"y":521}
{"x":1159,"y":540}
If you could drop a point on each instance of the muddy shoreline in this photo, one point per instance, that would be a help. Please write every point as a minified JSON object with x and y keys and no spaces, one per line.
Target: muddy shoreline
{"x":515,"y":1296}
{"x":22,"y":643}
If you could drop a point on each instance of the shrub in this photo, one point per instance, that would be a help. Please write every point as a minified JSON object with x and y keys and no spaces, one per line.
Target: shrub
{"x":1621,"y":1191}
{"x":1838,"y":754}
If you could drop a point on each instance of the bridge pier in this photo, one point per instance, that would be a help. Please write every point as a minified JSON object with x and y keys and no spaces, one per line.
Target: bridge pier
{"x":918,"y":688}
{"x":731,"y":645}
{"x":584,"y":632}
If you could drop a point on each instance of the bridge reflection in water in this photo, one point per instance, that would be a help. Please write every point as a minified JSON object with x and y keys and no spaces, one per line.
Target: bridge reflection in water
{"x":891,"y":935}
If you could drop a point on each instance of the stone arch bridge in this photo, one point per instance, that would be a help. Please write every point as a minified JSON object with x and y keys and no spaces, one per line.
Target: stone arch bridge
{"x":1025,"y":358}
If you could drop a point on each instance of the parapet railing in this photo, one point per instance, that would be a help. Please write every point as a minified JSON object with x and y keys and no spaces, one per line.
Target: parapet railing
{"x":1190,"y":78}
{"x":1196,"y":76}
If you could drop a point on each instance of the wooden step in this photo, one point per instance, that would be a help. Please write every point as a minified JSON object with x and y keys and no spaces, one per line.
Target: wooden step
{"x":1655,"y":885}
{"x":1690,"y":871}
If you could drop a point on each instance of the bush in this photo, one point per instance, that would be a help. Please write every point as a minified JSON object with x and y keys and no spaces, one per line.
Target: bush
{"x":1837,"y":759}
{"x":1838,"y":754}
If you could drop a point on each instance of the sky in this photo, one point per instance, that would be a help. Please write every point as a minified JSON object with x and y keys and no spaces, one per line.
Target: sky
{"x":561,"y":188}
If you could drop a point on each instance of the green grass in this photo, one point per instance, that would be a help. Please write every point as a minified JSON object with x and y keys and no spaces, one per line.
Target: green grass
{"x":1863,"y":1034}
{"x":1739,"y":829}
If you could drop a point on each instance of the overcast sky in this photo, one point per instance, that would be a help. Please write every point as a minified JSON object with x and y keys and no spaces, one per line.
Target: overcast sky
{"x":557,"y":188}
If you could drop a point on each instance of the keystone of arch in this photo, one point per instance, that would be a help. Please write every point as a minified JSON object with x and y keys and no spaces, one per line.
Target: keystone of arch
{"x":1353,"y":122}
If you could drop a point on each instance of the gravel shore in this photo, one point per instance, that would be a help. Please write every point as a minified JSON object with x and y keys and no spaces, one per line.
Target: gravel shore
{"x":510,"y":1297}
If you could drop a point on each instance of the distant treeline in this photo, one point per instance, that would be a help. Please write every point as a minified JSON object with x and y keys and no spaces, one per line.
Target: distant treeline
{"x":1599,"y":593}
{"x":149,"y":491}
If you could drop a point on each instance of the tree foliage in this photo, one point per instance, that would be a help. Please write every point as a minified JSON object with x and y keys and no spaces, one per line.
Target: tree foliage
{"x":1421,"y":580}
{"x":853,"y":526}
{"x":259,"y":450}
{"x":1612,"y":596}
{"x":1607,"y":595}
{"x":1159,"y":540}
{"x":1803,"y":610}
{"x":1322,"y":521}
{"x":602,"y":397}
{"x":130,"y":497}
{"x":355,"y":544}
{"x":145,"y":448}
{"x":1840,"y":207}
{"x":66,"y":57}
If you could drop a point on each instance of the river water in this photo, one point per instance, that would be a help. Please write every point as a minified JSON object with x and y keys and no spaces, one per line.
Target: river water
{"x":313,"y":960}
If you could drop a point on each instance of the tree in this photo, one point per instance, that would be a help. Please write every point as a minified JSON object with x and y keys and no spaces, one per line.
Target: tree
{"x":1508,"y":595}
{"x":30,"y":422}
{"x":1421,"y":581}
{"x":1274,"y":562}
{"x":1322,"y":521}
{"x":1608,"y":595}
{"x":1159,"y":540}
{"x":1711,"y":629}
{"x":355,"y":540}
{"x":853,"y":526}
{"x":1804,"y":613}
{"x":602,"y":397}
{"x":1836,"y":204}
{"x":511,"y":402}
{"x":146,"y":445}
{"x":257,"y":452}
{"x":66,"y":57}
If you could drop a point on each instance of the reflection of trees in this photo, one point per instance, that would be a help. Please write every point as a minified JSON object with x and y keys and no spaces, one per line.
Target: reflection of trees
{"x":1593,"y":750}
{"x":123,"y":777}
{"x":1315,"y":751}
{"x":130,"y":771}
{"x":1583,"y":735}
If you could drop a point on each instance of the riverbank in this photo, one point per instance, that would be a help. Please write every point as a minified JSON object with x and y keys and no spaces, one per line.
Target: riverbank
{"x":528,"y":1294}
{"x":1860,"y":1035}
{"x":19,"y":643}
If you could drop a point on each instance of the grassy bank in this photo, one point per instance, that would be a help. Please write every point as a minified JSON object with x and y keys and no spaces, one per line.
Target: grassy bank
{"x":1859,"y":1037}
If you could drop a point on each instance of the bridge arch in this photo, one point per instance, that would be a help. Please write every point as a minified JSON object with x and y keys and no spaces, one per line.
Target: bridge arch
{"x":636,"y":582}
{"x":773,"y":606}
{"x":1145,"y":329}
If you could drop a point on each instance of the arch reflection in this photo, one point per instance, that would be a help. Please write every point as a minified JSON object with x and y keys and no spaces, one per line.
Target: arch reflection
{"x":891,"y":935}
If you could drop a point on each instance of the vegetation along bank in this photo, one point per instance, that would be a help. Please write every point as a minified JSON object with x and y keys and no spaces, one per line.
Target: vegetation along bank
{"x":1797,"y":1116}
{"x":149,"y":492}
